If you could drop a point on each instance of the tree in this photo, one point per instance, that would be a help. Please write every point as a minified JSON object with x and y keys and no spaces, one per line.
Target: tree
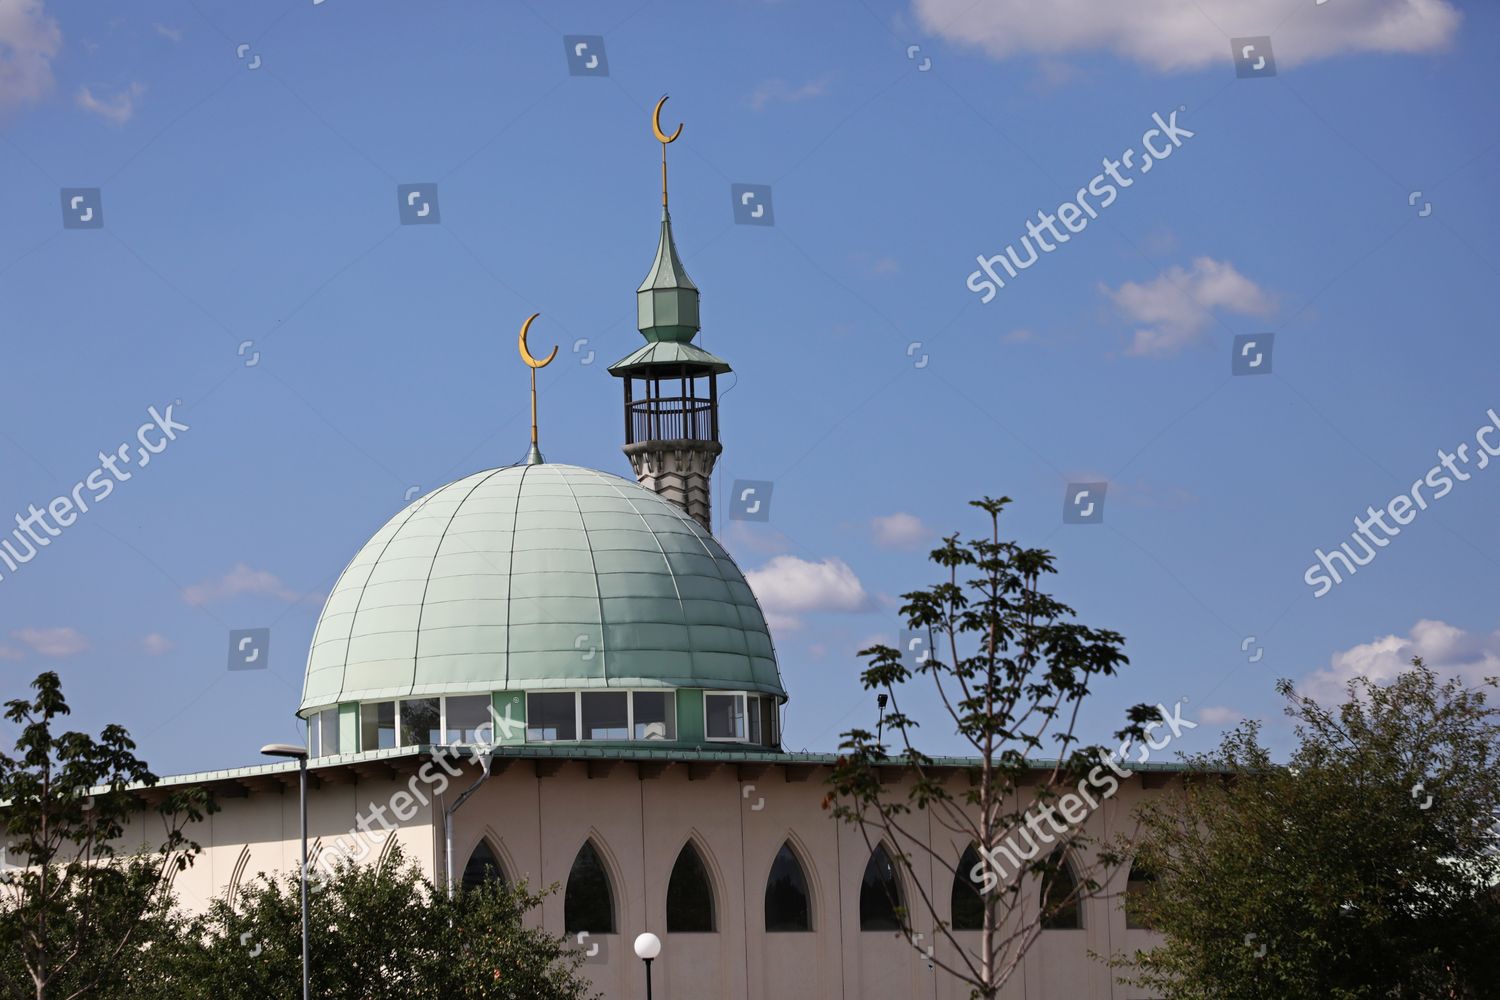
{"x":1011,"y":668}
{"x":74,"y":912}
{"x":376,"y":932}
{"x":1364,"y":867}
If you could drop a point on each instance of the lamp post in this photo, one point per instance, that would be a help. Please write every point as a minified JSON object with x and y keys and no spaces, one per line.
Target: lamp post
{"x":300,"y":755}
{"x":647,"y":947}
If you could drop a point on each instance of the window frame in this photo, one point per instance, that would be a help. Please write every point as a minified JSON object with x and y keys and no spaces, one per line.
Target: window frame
{"x":630,"y":693}
{"x":1053,"y":921}
{"x":440,"y":699}
{"x":807,"y":893}
{"x":583,"y":736}
{"x":708,"y":885}
{"x":443,"y":727}
{"x":900,"y":909}
{"x":375,"y":703}
{"x":670,"y":694}
{"x":744,"y":716}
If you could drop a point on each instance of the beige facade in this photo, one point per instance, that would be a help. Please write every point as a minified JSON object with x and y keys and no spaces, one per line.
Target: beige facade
{"x":537,"y":810}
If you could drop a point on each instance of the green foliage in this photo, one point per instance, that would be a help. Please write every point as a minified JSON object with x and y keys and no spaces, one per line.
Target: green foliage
{"x":1011,"y":667}
{"x":75,"y":912}
{"x":1334,"y":876}
{"x":376,"y":932}
{"x":89,"y":913}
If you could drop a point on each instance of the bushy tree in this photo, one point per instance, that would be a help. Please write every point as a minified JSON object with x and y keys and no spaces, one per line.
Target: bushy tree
{"x":78,"y":904}
{"x":378,"y":932}
{"x":1011,"y":667}
{"x":1362,"y":868}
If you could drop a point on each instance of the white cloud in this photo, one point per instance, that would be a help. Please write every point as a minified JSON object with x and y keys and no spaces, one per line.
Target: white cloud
{"x":28,"y":41}
{"x":778,"y":90}
{"x":755,"y":537}
{"x":11,"y":653}
{"x":157,"y":644}
{"x":116,"y":109}
{"x":1447,"y":649}
{"x":1019,"y":335}
{"x":1219,"y":715}
{"x":1172,"y":35}
{"x":899,"y":531}
{"x":240,"y":580}
{"x":787,"y":587}
{"x":1178,"y":305}
{"x":53,"y":642}
{"x":168,"y":32}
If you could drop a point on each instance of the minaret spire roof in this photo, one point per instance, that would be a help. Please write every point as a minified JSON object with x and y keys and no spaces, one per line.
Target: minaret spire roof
{"x":667,"y":301}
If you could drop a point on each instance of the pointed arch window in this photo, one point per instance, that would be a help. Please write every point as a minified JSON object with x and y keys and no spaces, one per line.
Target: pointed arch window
{"x":966,"y":900}
{"x":1060,"y":895}
{"x":483,"y":867}
{"x":589,"y":902}
{"x":690,"y":895}
{"x":1136,"y":887}
{"x":881,"y":905}
{"x":788,"y":903}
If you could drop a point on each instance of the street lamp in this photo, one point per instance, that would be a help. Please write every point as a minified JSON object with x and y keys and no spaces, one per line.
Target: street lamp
{"x":300,"y":755}
{"x":647,"y":947}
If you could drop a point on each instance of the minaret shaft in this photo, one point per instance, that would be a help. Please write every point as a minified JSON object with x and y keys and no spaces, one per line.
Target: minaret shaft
{"x":680,"y":472}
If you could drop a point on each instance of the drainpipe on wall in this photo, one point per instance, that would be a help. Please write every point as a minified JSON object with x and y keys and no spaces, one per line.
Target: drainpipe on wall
{"x":484,"y":762}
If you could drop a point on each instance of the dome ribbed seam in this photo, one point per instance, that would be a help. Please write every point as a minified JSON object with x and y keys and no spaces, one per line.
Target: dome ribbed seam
{"x":681,"y":607}
{"x":593,"y":565}
{"x":344,"y":669}
{"x":416,"y":647}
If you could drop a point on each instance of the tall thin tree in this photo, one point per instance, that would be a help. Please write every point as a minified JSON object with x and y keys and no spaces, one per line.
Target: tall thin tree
{"x":1011,"y":669}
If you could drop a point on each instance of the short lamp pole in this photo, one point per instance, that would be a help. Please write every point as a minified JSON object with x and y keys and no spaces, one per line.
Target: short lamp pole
{"x":300,"y":755}
{"x":647,"y":947}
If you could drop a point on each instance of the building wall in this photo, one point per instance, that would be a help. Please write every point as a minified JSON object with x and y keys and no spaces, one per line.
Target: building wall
{"x":639,"y":822}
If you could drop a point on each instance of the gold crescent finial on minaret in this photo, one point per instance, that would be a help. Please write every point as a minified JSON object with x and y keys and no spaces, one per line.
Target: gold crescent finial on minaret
{"x":664,"y":139}
{"x":533,"y":363}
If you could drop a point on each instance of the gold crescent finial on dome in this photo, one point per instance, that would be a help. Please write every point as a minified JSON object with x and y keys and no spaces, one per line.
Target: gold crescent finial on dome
{"x":533,"y":363}
{"x":526,"y":352}
{"x":664,"y":139}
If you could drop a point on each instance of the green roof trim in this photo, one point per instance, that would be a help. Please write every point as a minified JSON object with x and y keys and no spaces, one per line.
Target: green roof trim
{"x":669,"y":353}
{"x":577,"y":752}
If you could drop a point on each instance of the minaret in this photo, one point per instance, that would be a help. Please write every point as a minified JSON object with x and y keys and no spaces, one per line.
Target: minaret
{"x":671,"y":385}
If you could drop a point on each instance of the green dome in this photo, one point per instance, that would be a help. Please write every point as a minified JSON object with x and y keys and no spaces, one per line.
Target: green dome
{"x":533,"y":577}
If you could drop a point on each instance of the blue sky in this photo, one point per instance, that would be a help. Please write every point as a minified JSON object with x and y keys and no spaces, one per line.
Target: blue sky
{"x":259,"y":205}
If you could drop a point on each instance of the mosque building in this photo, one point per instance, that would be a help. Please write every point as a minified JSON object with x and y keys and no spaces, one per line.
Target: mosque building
{"x":549,"y":672}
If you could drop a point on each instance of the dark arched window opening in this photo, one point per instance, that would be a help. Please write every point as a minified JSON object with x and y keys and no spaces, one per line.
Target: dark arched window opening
{"x":1060,"y":903}
{"x":589,"y":904}
{"x":483,"y":867}
{"x":966,"y":899}
{"x":881,"y":906}
{"x":788,"y":905}
{"x":690,"y":895}
{"x":1136,"y":887}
